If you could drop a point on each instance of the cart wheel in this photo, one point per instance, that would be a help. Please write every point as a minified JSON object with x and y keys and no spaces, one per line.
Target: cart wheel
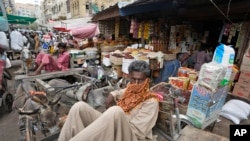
{"x":7,"y":101}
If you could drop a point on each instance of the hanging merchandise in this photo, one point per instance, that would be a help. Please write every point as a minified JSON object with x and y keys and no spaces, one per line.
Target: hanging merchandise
{"x":132,"y":26}
{"x":136,"y":28}
{"x":117,"y":27}
{"x":227,"y":29}
{"x":224,"y":55}
{"x":146,"y":30}
{"x":140,"y":31}
{"x":241,"y":28}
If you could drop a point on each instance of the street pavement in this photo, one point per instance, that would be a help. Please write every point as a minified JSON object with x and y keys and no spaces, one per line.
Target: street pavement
{"x":9,"y":130}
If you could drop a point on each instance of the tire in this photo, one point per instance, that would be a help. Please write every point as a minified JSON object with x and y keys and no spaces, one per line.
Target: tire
{"x":7,"y":101}
{"x":185,"y":122}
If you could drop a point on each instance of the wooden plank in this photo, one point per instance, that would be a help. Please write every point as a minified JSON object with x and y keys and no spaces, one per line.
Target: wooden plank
{"x":48,"y":75}
{"x":193,"y":134}
{"x":44,"y":86}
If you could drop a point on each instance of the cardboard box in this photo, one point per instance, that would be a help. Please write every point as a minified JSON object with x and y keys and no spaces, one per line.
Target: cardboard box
{"x":246,"y":56}
{"x":244,"y":76}
{"x":204,"y":106}
{"x":241,"y":90}
{"x":244,"y":67}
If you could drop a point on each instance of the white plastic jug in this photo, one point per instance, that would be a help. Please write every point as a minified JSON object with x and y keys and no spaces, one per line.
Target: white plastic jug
{"x":224,"y":55}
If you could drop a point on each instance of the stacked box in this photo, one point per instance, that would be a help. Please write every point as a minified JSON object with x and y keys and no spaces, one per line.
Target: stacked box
{"x":242,"y":88}
{"x":204,"y":106}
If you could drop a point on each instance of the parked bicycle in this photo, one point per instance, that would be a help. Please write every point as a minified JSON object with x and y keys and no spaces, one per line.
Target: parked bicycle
{"x":6,"y":98}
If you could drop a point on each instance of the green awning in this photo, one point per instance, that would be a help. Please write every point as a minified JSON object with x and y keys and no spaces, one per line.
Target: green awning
{"x":13,"y":19}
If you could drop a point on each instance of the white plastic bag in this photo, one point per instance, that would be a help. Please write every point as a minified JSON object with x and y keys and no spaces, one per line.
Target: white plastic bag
{"x":7,"y":63}
{"x":4,"y":41}
{"x":211,"y":75}
{"x":16,"y":40}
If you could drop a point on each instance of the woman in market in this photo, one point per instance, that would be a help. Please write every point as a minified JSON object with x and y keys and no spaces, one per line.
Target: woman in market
{"x":131,"y":120}
{"x":47,"y":62}
{"x":201,"y":57}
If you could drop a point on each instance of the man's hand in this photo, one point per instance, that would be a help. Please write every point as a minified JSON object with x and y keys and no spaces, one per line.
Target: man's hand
{"x":109,"y":101}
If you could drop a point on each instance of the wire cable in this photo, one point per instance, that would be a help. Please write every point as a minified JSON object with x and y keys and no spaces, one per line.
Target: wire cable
{"x":220,"y":11}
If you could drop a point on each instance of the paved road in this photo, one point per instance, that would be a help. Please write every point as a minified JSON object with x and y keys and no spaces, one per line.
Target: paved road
{"x":9,"y":121}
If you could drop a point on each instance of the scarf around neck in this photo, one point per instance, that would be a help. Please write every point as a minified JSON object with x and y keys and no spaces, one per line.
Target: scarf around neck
{"x":134,"y":95}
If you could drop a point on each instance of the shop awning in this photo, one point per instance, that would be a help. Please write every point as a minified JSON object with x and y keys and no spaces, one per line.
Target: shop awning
{"x":70,"y":23}
{"x":62,"y":29}
{"x":87,"y":31}
{"x":146,"y":6}
{"x":13,"y":19}
{"x":111,"y":12}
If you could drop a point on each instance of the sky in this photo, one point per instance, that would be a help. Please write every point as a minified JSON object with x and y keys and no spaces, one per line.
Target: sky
{"x":27,"y":1}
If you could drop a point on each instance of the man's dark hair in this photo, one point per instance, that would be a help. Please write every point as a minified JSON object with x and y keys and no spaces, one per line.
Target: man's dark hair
{"x":61,"y":45}
{"x":178,"y":55}
{"x":139,"y":66}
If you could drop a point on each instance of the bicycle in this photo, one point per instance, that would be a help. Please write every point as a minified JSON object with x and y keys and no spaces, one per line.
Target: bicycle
{"x":6,"y":98}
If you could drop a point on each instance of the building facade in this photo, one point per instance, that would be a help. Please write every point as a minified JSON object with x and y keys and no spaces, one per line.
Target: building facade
{"x":72,"y":9}
{"x":9,"y":6}
{"x":26,"y":10}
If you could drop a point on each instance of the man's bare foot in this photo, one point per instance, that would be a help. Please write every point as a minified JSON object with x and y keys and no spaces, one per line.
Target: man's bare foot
{"x":34,"y":73}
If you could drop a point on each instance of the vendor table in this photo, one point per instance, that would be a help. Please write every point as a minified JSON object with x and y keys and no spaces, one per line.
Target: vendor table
{"x":193,"y":134}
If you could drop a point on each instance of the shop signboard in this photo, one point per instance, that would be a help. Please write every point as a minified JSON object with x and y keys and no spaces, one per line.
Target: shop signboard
{"x":204,"y":105}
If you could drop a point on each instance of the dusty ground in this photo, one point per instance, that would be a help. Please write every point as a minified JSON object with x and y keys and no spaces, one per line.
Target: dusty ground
{"x":9,"y":121}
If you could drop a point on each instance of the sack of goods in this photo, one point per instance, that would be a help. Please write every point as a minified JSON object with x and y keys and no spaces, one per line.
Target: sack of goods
{"x":211,"y":75}
{"x":4,"y":44}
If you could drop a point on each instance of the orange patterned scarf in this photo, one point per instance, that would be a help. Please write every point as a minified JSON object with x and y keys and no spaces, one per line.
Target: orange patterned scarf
{"x":134,"y":95}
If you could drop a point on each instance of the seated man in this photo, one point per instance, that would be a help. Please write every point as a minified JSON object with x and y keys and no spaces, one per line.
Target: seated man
{"x":49,"y":64}
{"x":131,"y":120}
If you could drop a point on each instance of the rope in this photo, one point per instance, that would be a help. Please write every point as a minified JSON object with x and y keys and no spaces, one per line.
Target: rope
{"x":228,"y":7}
{"x":221,"y":10}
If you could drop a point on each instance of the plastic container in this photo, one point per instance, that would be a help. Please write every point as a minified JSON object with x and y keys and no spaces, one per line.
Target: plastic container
{"x":225,"y":55}
{"x":125,"y":64}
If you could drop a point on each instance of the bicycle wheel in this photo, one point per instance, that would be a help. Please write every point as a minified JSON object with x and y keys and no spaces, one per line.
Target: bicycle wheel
{"x":7,"y":101}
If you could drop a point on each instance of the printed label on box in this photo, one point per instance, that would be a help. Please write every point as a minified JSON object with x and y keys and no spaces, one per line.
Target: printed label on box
{"x":204,"y":106}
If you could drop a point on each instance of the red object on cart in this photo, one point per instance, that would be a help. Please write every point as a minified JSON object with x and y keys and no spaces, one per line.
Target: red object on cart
{"x":2,"y":66}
